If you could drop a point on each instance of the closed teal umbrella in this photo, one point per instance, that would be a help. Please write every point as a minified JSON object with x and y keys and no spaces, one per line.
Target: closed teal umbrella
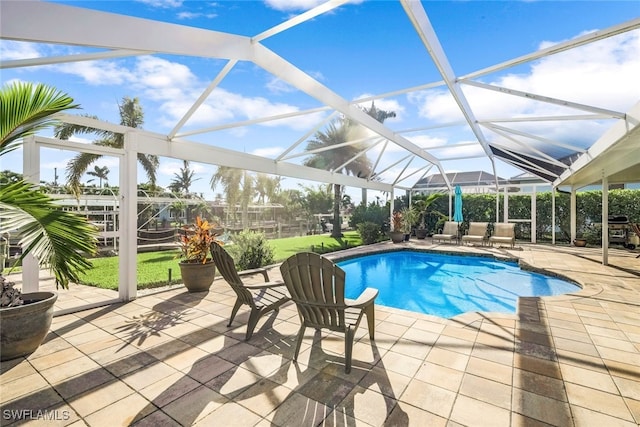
{"x":457,"y":212}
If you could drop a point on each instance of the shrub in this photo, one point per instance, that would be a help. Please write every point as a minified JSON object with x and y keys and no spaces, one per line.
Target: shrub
{"x":371,"y":213}
{"x":250,"y":250}
{"x":370,"y":232}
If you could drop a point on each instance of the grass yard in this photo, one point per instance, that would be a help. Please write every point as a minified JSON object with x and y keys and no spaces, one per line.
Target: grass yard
{"x":153,"y":267}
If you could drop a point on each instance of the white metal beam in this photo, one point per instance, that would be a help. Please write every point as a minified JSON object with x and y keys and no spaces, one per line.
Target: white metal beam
{"x":327,"y":148}
{"x":286,"y":71}
{"x":535,"y":137}
{"x":397,"y":162}
{"x":358,"y":155}
{"x":221,"y":75}
{"x":306,"y":135}
{"x":296,"y":20}
{"x":402,"y":171}
{"x":45,"y":22}
{"x":548,"y":118}
{"x":253,"y":121}
{"x":196,"y":152}
{"x":48,"y":60}
{"x":422,"y":25}
{"x":547,"y":99}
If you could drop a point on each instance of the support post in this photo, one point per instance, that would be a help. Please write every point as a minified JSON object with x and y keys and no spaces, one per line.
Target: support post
{"x":573,"y":207}
{"x":534,"y":215}
{"x":505,"y":206}
{"x":605,"y":218}
{"x":31,"y":173}
{"x":498,"y":205}
{"x":391,"y":210}
{"x":553,"y":215}
{"x":128,"y":283}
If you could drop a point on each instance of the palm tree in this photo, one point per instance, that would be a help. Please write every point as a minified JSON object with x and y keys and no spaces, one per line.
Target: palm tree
{"x":100,"y":173}
{"x":238,"y":187}
{"x":57,"y":238}
{"x":182,"y":181}
{"x":267,"y":187}
{"x":338,"y":132}
{"x":131,"y":115}
{"x":230,"y":180}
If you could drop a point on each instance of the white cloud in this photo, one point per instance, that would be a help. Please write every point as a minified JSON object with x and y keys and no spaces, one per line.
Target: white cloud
{"x":277,"y":86}
{"x":291,"y":5}
{"x":97,"y":72}
{"x":165,"y":4}
{"x":195,"y":15}
{"x":602,"y":74}
{"x":298,"y":5}
{"x":176,"y":88}
{"x":12,"y":50}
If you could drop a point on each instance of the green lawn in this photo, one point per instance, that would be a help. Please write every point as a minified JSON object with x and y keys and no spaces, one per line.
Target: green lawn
{"x":153,"y":267}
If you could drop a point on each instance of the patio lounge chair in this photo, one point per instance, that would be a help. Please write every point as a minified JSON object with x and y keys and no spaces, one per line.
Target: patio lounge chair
{"x":477,"y":233}
{"x":449,"y":232}
{"x":316,"y":285}
{"x":262,"y":298}
{"x":503,"y":233}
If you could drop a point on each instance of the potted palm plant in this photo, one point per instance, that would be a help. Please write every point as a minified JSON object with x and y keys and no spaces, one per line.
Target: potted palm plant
{"x":196,"y":267}
{"x":409,"y":217}
{"x":59,"y":239}
{"x":423,"y":210}
{"x":396,"y":233}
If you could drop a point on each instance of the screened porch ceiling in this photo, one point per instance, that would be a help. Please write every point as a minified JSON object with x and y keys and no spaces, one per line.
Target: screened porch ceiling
{"x":538,"y":137}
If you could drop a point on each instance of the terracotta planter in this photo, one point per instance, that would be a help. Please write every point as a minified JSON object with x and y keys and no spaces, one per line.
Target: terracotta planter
{"x":23,"y":328}
{"x":197,"y":277}
{"x":581,"y":243}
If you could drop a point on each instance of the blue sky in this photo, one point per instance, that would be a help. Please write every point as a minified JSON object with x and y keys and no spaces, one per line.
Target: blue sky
{"x":359,"y":49}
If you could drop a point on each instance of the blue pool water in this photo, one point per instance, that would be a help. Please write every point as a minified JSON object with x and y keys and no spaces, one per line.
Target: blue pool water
{"x":446,"y":285}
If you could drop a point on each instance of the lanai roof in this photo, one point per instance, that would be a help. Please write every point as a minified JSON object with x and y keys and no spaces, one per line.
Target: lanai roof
{"x":528,"y":138}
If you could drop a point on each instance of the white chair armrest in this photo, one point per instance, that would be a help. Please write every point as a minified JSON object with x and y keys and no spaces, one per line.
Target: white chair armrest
{"x":365,"y":298}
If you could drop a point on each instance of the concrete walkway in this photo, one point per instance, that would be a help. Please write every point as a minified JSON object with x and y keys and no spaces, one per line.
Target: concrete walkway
{"x":169,"y":359}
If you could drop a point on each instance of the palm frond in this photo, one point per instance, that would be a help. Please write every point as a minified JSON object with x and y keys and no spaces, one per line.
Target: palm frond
{"x":149,"y":163}
{"x":26,"y":109}
{"x":77,"y":167}
{"x":58,"y":239}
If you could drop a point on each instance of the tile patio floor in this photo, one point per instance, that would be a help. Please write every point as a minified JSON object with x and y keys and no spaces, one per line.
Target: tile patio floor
{"x":168,"y":359}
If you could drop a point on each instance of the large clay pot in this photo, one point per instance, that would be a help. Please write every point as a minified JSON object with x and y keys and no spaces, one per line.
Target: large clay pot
{"x":581,"y":243}
{"x":197,"y":277}
{"x":23,"y":328}
{"x":396,"y":236}
{"x":421,"y":233}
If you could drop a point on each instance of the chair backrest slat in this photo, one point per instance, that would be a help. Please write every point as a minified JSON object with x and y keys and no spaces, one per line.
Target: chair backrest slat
{"x":225,"y":265}
{"x":317,"y":285}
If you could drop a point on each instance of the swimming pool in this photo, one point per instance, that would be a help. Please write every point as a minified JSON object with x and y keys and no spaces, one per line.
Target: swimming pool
{"x":446,"y":285}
